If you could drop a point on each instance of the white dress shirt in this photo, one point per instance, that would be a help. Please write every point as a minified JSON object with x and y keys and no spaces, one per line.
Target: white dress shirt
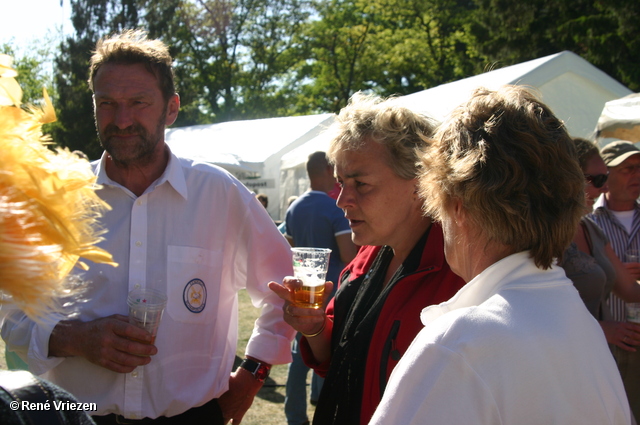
{"x":515,"y":346}
{"x":200,"y":236}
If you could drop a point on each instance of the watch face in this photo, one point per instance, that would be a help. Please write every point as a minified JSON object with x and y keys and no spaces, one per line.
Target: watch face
{"x":262,"y":373}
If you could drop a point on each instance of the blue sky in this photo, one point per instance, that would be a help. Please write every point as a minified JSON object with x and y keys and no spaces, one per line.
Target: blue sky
{"x":24,"y":21}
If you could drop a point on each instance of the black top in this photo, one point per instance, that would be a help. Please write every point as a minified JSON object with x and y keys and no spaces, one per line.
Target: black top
{"x":42,"y":392}
{"x":357,"y":306}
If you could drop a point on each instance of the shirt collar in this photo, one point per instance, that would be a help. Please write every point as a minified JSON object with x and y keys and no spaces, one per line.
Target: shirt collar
{"x":173,"y":174}
{"x":482,"y":287}
{"x":601,"y":206}
{"x":601,"y":202}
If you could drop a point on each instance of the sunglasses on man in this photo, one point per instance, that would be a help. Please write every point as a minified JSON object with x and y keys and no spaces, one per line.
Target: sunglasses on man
{"x":598,"y":180}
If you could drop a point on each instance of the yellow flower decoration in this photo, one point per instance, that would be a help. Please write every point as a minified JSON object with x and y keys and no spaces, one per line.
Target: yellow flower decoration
{"x":48,"y":205}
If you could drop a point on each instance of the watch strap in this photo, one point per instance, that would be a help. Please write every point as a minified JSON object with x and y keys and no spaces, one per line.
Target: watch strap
{"x":259,"y":370}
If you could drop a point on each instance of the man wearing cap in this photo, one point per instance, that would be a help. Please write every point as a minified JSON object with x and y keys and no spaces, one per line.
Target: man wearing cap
{"x":617,"y":212}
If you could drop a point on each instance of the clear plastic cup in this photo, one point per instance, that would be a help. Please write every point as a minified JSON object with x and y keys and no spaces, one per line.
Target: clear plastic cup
{"x":632,"y":256}
{"x":145,"y":309}
{"x":633,"y":312}
{"x":310,"y":265}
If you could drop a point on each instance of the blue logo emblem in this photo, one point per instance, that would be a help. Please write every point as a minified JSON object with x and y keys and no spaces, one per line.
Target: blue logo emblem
{"x":195,"y":295}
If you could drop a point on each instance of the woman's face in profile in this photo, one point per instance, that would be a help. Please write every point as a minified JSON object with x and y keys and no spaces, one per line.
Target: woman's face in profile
{"x":595,"y":166}
{"x":375,"y":200}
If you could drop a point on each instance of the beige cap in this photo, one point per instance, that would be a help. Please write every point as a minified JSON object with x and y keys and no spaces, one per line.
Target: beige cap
{"x":616,"y":152}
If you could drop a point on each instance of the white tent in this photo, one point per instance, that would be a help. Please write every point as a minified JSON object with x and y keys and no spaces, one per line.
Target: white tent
{"x":620,"y":119}
{"x":293,"y":172}
{"x":575,"y":90}
{"x":251,"y":150}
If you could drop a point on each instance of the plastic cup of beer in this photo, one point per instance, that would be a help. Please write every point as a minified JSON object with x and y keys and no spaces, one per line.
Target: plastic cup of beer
{"x":145,"y":309}
{"x":310,"y":266}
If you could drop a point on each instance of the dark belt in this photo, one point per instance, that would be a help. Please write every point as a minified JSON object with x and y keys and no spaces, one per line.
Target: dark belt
{"x":209,"y":414}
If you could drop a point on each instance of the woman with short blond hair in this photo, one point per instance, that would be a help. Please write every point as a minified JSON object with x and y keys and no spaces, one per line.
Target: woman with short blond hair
{"x":400,"y":268}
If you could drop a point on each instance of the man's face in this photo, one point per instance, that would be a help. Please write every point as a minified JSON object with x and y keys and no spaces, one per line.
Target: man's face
{"x":131,"y":113}
{"x":624,"y":180}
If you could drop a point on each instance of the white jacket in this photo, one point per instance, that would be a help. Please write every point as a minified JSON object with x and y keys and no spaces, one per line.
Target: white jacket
{"x":515,"y":346}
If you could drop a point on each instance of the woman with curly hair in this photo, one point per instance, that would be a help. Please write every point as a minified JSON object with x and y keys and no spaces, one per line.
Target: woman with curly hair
{"x":516,"y":344}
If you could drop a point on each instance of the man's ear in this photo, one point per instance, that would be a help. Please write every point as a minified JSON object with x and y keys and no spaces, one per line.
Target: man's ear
{"x":173,"y":107}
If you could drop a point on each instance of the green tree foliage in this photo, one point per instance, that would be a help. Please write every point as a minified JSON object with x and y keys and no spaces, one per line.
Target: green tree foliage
{"x":423,"y":44}
{"x":246,"y":59}
{"x":336,"y":51}
{"x":92,"y":19}
{"x":604,"y":32}
{"x":35,"y":72}
{"x":230,"y":55}
{"x":608,"y":37}
{"x":385,"y":46}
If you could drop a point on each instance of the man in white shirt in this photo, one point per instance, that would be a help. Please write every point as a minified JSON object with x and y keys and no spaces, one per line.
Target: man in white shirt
{"x":617,"y":212}
{"x":188,"y":229}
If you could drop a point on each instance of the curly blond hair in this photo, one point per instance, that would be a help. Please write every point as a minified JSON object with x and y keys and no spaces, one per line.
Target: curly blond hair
{"x":514,"y":168}
{"x":403,"y":132}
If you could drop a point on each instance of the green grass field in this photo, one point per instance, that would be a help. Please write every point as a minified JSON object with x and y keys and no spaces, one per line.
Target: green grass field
{"x":268,"y":407}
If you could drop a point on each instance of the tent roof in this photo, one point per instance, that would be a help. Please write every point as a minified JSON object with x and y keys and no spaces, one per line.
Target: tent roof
{"x":573,"y":88}
{"x":300,"y":154}
{"x":620,"y":119}
{"x":241,"y":145}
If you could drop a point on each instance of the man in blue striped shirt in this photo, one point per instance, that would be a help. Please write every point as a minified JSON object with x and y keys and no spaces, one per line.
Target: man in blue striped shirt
{"x":617,"y":212}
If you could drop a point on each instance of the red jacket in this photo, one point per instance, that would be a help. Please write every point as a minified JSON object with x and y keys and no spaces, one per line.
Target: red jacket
{"x":399,"y":320}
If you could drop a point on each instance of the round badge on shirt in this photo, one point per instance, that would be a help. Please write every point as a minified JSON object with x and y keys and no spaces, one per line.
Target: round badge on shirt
{"x":195,"y":295}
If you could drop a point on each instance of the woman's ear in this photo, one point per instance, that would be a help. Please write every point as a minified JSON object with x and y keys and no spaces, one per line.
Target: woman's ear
{"x":458,"y":213}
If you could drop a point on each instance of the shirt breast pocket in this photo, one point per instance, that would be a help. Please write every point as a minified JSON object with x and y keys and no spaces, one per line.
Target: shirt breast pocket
{"x":193,"y":283}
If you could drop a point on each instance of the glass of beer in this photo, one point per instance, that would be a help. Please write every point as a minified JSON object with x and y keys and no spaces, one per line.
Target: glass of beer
{"x":310,"y":266}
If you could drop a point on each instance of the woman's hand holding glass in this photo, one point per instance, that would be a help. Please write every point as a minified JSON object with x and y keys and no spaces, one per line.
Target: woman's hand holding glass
{"x":308,"y":321}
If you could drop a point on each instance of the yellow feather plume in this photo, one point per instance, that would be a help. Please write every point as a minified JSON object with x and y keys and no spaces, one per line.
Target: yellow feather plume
{"x":48,"y":206}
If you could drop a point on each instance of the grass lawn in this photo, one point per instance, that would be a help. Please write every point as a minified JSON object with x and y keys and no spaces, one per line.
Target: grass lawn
{"x":268,"y":407}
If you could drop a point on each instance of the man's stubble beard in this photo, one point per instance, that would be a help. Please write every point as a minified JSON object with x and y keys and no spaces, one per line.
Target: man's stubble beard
{"x":140,"y":152}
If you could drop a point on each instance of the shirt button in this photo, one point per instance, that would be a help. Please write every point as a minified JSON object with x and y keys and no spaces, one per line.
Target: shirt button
{"x":134,"y":374}
{"x":136,"y":286}
{"x":138,"y":243}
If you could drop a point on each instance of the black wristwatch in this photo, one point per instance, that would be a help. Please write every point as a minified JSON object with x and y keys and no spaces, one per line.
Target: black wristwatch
{"x":259,"y":370}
